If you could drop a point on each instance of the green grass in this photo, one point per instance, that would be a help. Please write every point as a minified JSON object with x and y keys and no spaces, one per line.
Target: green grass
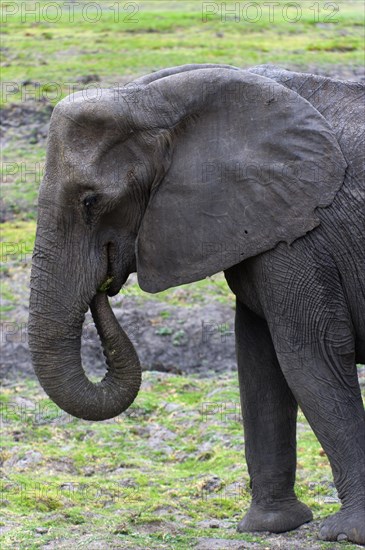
{"x":44,"y":59}
{"x":22,"y":169}
{"x":16,"y":247}
{"x":107,"y":481}
{"x":17,"y":241}
{"x":214,"y":287}
{"x":55,"y":54}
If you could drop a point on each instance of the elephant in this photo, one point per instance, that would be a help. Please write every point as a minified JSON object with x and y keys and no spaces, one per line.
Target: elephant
{"x":197,"y":169}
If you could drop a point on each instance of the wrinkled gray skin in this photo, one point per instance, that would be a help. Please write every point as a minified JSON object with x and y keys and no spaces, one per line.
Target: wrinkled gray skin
{"x":124,"y":190}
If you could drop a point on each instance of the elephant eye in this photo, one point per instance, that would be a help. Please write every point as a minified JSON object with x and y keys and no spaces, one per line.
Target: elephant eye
{"x":90,"y":201}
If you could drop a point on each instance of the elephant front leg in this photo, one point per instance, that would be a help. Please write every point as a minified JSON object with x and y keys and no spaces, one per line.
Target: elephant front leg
{"x":269,"y":415}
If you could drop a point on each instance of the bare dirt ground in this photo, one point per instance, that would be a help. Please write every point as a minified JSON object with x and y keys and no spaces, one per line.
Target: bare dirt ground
{"x":169,"y":338}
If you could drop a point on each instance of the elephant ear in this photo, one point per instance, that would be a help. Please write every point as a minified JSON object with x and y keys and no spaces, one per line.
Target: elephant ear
{"x":250,"y":163}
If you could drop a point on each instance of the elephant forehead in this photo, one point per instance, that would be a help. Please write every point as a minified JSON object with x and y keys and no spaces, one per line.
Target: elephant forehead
{"x":98,"y":174}
{"x":92,"y":157}
{"x":105,"y":109}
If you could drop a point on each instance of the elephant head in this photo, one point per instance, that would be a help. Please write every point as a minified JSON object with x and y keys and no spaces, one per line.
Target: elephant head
{"x":177,"y":177}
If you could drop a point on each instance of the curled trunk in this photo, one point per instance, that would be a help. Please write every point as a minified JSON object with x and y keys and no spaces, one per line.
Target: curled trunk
{"x":56,"y":358}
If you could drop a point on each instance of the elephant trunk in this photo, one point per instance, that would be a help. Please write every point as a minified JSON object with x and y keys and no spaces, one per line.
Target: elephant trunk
{"x":55,"y":349}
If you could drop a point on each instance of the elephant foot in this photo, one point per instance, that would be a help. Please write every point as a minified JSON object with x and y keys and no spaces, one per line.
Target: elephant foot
{"x":347,"y":524}
{"x":287,"y":516}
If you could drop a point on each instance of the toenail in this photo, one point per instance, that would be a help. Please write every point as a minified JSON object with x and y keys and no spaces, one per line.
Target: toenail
{"x":342,"y":536}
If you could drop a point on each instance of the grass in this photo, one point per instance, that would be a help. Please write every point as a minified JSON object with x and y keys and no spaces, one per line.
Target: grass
{"x":17,"y":241}
{"x":22,"y":169}
{"x":45,"y":59}
{"x":147,"y":477}
{"x":16,"y":247}
{"x":54,"y":54}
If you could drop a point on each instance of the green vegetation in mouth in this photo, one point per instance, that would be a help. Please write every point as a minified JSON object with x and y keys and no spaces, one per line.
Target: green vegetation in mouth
{"x":106,"y":285}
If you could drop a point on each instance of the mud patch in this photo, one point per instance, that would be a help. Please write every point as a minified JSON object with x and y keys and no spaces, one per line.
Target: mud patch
{"x":27,"y":121}
{"x":169,"y":338}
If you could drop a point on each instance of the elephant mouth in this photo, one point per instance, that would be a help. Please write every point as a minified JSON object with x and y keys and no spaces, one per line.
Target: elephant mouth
{"x":116,"y":284}
{"x":116,"y":275}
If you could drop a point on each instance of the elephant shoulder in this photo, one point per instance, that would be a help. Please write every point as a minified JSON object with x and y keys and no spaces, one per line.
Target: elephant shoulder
{"x":340,"y":102}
